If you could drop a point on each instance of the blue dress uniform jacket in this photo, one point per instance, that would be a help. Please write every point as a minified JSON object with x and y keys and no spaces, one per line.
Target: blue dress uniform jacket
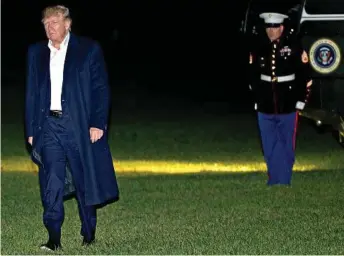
{"x":279,"y":72}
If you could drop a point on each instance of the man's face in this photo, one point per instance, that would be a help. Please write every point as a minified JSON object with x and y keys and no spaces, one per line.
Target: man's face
{"x":56,"y":27}
{"x":274,"y":32}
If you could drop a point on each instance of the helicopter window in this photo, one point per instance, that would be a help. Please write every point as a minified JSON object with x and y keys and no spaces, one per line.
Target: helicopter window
{"x":324,"y":6}
{"x":321,"y":28}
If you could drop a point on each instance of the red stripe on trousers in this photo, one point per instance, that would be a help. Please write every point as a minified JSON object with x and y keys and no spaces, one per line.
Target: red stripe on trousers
{"x":295,"y":129}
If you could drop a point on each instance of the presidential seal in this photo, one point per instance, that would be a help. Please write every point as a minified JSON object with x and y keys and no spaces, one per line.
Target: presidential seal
{"x":325,"y":56}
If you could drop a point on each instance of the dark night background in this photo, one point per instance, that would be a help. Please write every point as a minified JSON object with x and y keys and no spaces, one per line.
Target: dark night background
{"x":170,"y":49}
{"x":181,"y":52}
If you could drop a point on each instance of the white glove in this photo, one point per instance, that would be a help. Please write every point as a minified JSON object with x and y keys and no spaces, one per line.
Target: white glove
{"x":300,"y":105}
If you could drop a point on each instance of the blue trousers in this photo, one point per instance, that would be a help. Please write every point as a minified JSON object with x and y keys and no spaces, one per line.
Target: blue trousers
{"x":60,"y":148}
{"x":278,"y":134}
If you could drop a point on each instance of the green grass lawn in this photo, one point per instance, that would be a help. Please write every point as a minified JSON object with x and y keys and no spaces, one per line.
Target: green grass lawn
{"x":190,"y":214}
{"x":223,"y":208}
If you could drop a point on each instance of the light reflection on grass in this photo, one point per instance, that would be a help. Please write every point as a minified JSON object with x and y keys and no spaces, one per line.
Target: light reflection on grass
{"x":122,"y":166}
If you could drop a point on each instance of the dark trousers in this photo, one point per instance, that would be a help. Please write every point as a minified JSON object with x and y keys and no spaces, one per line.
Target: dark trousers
{"x":60,"y":148}
{"x":278,"y":134}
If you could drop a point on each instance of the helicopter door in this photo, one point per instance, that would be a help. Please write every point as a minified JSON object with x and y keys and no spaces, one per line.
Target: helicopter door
{"x":322,"y":33}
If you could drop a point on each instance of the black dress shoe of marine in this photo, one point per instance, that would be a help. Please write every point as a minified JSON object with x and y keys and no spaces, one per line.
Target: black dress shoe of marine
{"x":51,"y":246}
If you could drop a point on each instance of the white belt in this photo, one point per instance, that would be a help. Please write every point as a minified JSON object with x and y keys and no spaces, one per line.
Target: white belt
{"x":279,"y":78}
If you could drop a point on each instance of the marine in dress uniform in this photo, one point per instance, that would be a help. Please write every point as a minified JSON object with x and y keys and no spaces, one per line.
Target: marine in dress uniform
{"x":280,"y":84}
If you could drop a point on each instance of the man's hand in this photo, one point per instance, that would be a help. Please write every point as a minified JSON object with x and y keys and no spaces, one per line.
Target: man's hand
{"x":30,"y":140}
{"x":95,"y":134}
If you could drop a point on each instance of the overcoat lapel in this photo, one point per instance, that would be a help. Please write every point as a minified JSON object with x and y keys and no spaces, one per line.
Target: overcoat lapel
{"x":70,"y":63}
{"x":68,"y":70}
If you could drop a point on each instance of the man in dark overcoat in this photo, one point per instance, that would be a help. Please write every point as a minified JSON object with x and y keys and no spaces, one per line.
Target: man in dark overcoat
{"x":66,"y":116}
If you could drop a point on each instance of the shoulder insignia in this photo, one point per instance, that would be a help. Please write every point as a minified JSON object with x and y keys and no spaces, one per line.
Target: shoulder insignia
{"x":304,"y":57}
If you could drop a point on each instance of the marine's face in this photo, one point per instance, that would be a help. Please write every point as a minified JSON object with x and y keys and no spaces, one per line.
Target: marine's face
{"x":274,"y":32}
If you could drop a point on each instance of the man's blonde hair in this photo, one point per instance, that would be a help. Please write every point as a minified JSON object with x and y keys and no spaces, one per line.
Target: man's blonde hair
{"x":55,"y":10}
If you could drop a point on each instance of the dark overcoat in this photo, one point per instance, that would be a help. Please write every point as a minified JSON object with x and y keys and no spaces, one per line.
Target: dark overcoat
{"x":86,"y":96}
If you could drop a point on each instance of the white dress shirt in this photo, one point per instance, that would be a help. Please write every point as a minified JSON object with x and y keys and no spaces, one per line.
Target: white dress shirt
{"x":57,"y":59}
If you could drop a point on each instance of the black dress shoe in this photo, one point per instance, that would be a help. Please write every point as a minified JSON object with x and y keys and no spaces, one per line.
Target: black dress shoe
{"x":51,"y":246}
{"x":87,"y":242}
